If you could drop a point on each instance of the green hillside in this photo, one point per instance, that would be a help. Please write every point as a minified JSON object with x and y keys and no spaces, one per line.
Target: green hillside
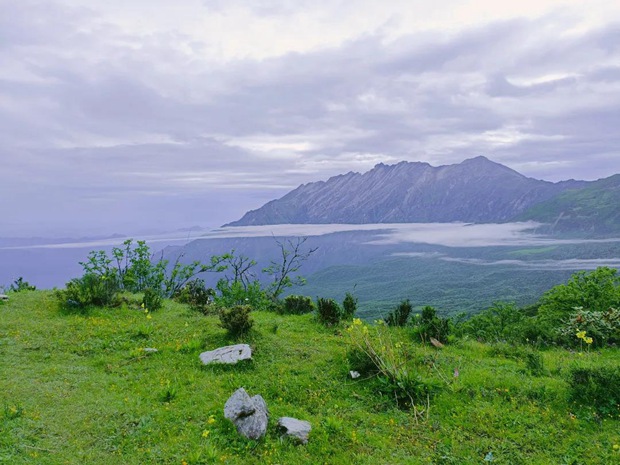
{"x":80,"y":389}
{"x":593,"y":210}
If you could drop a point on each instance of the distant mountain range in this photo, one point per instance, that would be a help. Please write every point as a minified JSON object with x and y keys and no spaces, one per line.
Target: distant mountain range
{"x":477,"y":190}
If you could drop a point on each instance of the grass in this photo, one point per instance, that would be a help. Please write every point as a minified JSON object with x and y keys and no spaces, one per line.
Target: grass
{"x":81,"y":389}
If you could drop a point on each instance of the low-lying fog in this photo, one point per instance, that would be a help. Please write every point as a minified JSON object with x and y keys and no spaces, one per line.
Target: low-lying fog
{"x":52,"y":263}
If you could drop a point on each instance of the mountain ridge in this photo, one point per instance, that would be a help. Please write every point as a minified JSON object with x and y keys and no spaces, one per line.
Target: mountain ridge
{"x":476,"y":190}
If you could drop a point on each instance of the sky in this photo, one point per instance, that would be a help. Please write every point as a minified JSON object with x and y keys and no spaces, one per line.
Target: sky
{"x":137,"y":116}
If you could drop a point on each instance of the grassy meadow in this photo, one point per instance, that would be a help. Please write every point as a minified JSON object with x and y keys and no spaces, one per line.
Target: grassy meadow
{"x":80,"y":389}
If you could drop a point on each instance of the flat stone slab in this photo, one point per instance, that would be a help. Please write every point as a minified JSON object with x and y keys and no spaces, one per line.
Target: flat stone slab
{"x":228,"y":355}
{"x":294,"y":428}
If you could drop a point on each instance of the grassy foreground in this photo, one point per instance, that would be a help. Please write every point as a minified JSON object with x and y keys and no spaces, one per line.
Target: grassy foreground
{"x":80,"y":390}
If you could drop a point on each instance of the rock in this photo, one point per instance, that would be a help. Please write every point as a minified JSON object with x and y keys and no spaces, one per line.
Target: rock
{"x":354,"y":374}
{"x":248,"y":414}
{"x":228,"y":354}
{"x":4,"y":297}
{"x":149,"y":350}
{"x":297,"y":429}
{"x":436,"y":343}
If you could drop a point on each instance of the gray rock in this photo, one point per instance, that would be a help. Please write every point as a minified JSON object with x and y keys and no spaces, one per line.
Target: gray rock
{"x":354,"y":374}
{"x":228,"y":354}
{"x":4,"y":297}
{"x":248,"y":414}
{"x":297,"y":429}
{"x":149,"y":350}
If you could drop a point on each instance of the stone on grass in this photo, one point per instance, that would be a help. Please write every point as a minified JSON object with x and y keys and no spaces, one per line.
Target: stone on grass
{"x":149,"y":350}
{"x":248,"y":414}
{"x":4,"y":297}
{"x":354,"y":374}
{"x":227,"y":355}
{"x":294,"y":428}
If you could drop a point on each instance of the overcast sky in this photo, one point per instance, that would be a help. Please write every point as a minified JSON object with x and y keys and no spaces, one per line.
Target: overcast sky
{"x":129,"y":115}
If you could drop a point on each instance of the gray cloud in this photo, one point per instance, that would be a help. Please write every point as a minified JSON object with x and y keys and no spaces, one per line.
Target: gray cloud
{"x":120,"y":128}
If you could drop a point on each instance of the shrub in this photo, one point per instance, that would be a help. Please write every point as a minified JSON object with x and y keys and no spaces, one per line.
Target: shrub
{"x":328,"y":311}
{"x":400,"y":315}
{"x":152,"y":299}
{"x":596,"y":387}
{"x":19,"y":285}
{"x":374,"y":350}
{"x":602,"y":327}
{"x":297,"y":305}
{"x":90,"y":289}
{"x":237,"y":293}
{"x":596,"y":291}
{"x":430,"y":325}
{"x":236,"y":320}
{"x":501,"y":322}
{"x":197,"y":296}
{"x":349,"y":307}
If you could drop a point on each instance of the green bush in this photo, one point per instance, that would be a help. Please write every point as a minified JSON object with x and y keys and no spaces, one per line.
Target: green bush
{"x":400,"y":315}
{"x":501,"y":322}
{"x":349,"y":307}
{"x":19,"y":285}
{"x":602,"y":327}
{"x":328,"y":311}
{"x":596,"y":291}
{"x":596,"y":387}
{"x":297,"y":305}
{"x":430,"y":325}
{"x":233,"y":293}
{"x":90,"y":289}
{"x":197,"y":296}
{"x":152,"y":299}
{"x":236,"y":320}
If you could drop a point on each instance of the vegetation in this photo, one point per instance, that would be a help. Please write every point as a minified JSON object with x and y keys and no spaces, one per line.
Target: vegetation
{"x":423,"y":383}
{"x":400,"y":315}
{"x":102,"y":398}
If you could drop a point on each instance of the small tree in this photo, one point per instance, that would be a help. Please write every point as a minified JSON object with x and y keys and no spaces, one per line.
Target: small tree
{"x":282,"y":272}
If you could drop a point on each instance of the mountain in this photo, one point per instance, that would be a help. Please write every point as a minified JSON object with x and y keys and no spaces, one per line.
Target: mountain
{"x":594,"y":209}
{"x":476,"y":190}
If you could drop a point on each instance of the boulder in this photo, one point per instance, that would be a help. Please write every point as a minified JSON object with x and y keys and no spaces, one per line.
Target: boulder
{"x":4,"y":297}
{"x":294,"y":428}
{"x":248,"y":414}
{"x":228,"y":354}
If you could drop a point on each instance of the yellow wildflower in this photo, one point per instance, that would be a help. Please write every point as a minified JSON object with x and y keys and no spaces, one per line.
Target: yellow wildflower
{"x":205,"y":433}
{"x":211,"y":420}
{"x":581,"y":334}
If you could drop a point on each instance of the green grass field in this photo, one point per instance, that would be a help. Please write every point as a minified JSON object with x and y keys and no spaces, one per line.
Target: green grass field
{"x":79,"y":389}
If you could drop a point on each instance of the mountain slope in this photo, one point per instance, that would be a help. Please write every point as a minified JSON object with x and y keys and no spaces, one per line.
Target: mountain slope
{"x":595,"y":209}
{"x":476,"y":190}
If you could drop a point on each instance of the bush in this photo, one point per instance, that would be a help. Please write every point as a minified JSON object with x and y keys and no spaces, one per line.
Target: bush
{"x":90,"y":289}
{"x":596,"y":387}
{"x":236,"y":320}
{"x":431,"y":326}
{"x":297,"y":305}
{"x":197,"y":296}
{"x":596,"y":291}
{"x":501,"y":322}
{"x":19,"y":285}
{"x":602,"y":327}
{"x":374,"y":351}
{"x":152,"y":299}
{"x":237,"y":293}
{"x":349,"y":307}
{"x":328,"y":311}
{"x":400,"y":315}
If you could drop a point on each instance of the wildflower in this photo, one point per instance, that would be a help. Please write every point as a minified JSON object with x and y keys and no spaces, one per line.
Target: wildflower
{"x":588,"y":340}
{"x":616,"y":447}
{"x":211,"y":420}
{"x":205,"y":433}
{"x":581,"y":334}
{"x":148,"y":317}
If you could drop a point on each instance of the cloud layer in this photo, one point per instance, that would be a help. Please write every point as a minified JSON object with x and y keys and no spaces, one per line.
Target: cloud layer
{"x":118,"y":117}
